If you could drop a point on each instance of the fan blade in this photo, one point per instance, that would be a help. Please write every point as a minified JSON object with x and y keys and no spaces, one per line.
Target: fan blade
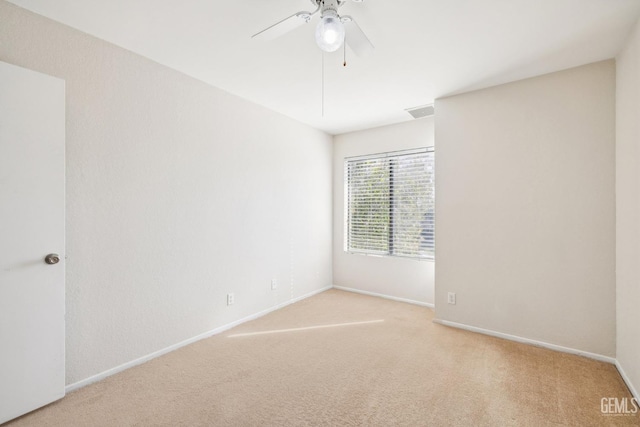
{"x":284,"y":26}
{"x":356,"y":38}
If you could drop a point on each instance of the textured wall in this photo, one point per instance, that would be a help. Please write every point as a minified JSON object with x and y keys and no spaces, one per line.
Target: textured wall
{"x":177,"y":193}
{"x":396,"y":277}
{"x":526,"y":208}
{"x":628,"y":207}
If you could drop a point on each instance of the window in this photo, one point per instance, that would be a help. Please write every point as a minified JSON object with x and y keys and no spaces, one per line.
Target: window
{"x":389,"y":204}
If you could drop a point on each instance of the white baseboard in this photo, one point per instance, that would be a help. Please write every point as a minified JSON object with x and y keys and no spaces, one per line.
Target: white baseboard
{"x":627,"y":380}
{"x":143,"y":359}
{"x":373,"y":294}
{"x":515,"y":338}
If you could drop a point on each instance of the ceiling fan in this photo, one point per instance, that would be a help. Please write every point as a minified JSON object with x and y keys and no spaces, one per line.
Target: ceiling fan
{"x":331,"y":32}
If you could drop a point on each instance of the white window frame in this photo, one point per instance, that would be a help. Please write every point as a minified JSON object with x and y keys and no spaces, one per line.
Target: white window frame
{"x":389,"y":252}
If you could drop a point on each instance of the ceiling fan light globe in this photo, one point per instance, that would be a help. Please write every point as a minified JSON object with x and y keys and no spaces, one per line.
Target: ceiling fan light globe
{"x":330,"y":33}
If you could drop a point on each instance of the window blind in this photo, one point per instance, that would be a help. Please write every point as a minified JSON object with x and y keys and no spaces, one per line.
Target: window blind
{"x":390,"y":204}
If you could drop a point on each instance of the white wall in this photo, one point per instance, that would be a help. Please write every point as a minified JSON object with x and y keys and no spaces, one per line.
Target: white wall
{"x":628,"y":208}
{"x":177,"y":193}
{"x":526,"y":208}
{"x":395,"y":277}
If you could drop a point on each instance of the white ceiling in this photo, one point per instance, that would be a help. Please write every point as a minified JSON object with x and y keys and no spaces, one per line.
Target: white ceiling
{"x":425,"y":49}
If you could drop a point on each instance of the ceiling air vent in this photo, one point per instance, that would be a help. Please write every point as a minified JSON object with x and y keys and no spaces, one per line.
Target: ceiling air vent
{"x":420,"y":112}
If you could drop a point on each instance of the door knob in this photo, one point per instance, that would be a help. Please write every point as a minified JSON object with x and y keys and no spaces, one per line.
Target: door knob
{"x":52,"y":259}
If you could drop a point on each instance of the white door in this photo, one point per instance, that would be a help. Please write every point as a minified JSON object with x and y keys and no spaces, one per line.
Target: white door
{"x":31,"y":227}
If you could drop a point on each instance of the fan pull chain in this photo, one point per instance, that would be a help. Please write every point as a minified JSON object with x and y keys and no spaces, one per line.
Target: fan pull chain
{"x":322,"y":53}
{"x":344,"y":64}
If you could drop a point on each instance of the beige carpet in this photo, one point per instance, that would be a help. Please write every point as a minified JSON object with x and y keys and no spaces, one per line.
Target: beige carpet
{"x":401,"y":371}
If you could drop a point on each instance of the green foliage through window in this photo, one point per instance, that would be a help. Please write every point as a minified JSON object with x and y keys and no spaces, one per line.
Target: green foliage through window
{"x":389,"y":204}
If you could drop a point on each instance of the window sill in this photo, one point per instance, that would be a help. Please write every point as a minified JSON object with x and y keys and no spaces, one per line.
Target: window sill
{"x":390,"y":256}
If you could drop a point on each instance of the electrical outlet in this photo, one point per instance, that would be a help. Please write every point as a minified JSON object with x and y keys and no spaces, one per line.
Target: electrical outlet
{"x":451,"y":298}
{"x":274,"y":284}
{"x":230,"y":299}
